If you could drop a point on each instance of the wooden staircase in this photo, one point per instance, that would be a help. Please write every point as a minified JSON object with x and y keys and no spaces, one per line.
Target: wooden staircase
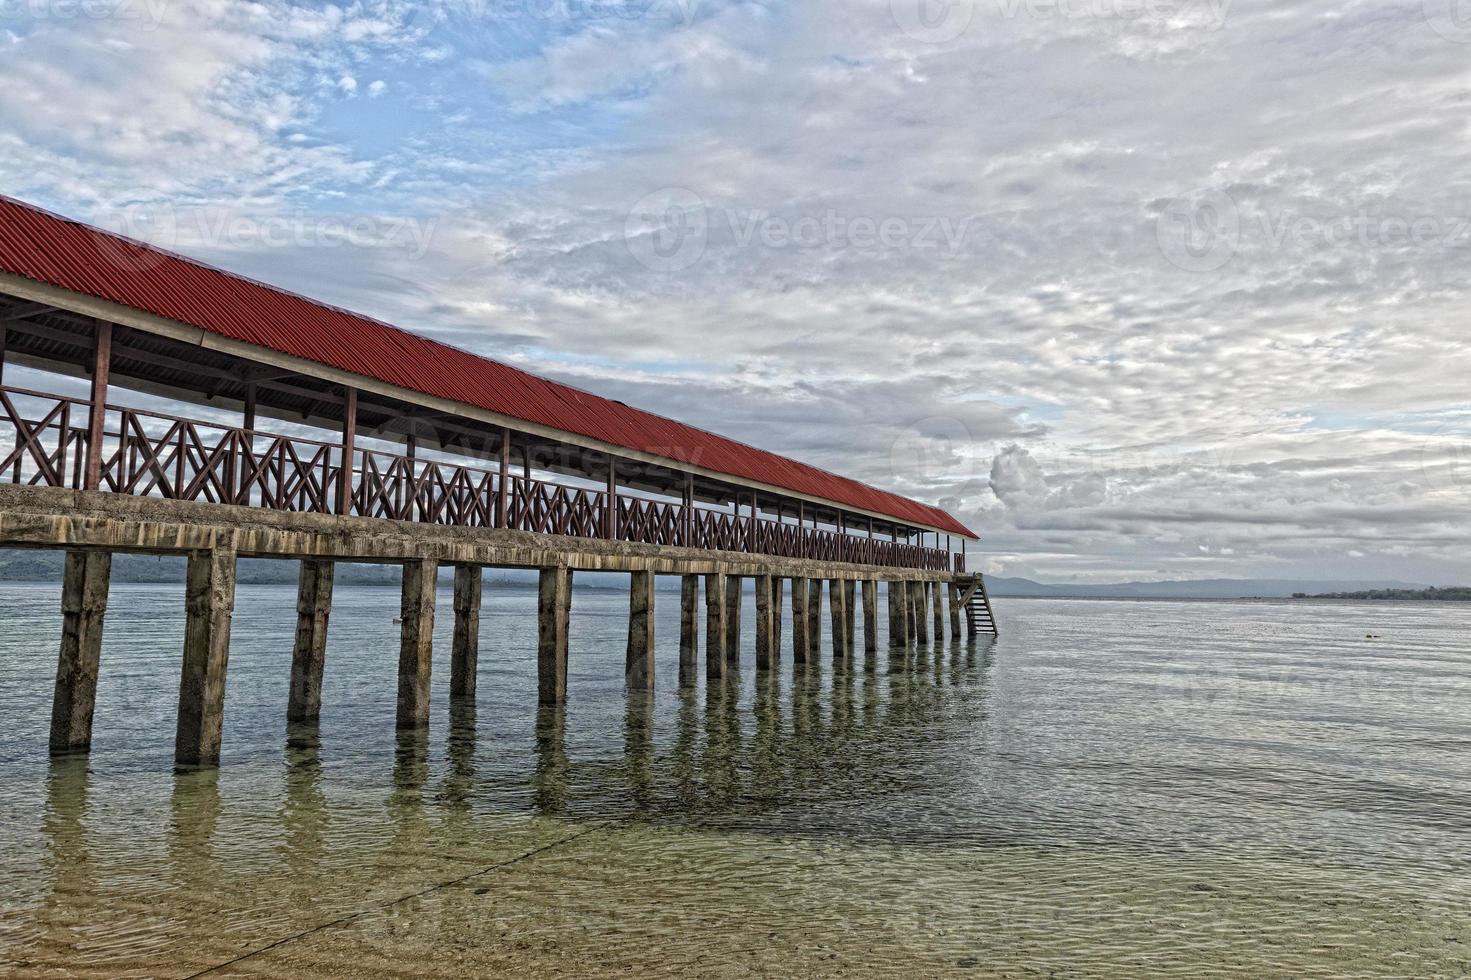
{"x":977,"y":604}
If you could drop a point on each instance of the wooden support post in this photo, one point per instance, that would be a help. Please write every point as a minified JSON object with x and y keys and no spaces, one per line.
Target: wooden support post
{"x":800,"y":633}
{"x":554,"y":613}
{"x":937,"y":592}
{"x":850,"y":612}
{"x":349,"y":450}
{"x":639,"y":668}
{"x":688,"y":517}
{"x":814,"y":620}
{"x":464,"y":661}
{"x":2,"y":353}
{"x":870,"y":620}
{"x":97,"y":412}
{"x":766,"y":648}
{"x":898,"y":614}
{"x":416,"y":641}
{"x":715,"y":626}
{"x":248,"y":418}
{"x":84,"y":584}
{"x":837,"y":600}
{"x":733,"y":585}
{"x":610,"y":509}
{"x":209,"y":603}
{"x":503,"y":489}
{"x":309,"y":652}
{"x":918,"y":592}
{"x":689,"y":629}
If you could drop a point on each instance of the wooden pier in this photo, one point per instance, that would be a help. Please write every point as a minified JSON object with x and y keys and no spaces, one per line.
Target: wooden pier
{"x":390,"y":448}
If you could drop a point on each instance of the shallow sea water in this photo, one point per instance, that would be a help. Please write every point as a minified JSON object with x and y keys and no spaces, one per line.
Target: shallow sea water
{"x":1112,"y":789}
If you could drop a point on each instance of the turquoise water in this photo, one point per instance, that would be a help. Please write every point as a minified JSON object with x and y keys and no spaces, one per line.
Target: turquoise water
{"x":1111,"y":789}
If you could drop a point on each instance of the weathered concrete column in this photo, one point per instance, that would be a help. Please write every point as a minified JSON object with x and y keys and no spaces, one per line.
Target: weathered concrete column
{"x":800,"y":632}
{"x":689,"y":628}
{"x":778,"y":595}
{"x":209,"y":602}
{"x":309,"y":652}
{"x":837,"y":601}
{"x":715,"y":626}
{"x":911,"y":610}
{"x":898,"y":628}
{"x":954,"y":591}
{"x":921,"y":612}
{"x":84,"y":585}
{"x":937,"y":591}
{"x":639,"y":668}
{"x":814,"y":620}
{"x":850,"y":610}
{"x":416,"y":642}
{"x":464,"y":661}
{"x":733,"y":620}
{"x":767,"y":651}
{"x":554,"y":614}
{"x":870,"y":619}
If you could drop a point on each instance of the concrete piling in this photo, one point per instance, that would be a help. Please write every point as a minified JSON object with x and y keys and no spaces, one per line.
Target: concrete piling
{"x":689,"y":629}
{"x":639,"y":668}
{"x":850,"y":590}
{"x":870,"y":619}
{"x":918,"y":632}
{"x":954,"y":611}
{"x":766,"y":641}
{"x":464,"y":661}
{"x":715,"y":626}
{"x":309,"y":651}
{"x":814,"y":620}
{"x":898,"y":618}
{"x":84,"y":586}
{"x":554,"y":612}
{"x":416,"y":641}
{"x":209,"y":604}
{"x":801,"y":635}
{"x":733,"y":620}
{"x":937,"y":593}
{"x":837,"y":596}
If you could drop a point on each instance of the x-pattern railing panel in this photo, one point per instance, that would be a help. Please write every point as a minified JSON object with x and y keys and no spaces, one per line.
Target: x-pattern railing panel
{"x":43,"y":442}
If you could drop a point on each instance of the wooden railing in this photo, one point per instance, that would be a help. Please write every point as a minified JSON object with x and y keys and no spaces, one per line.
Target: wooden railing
{"x":44,"y":442}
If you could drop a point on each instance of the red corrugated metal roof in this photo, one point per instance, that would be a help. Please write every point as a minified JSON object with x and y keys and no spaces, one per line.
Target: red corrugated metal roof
{"x":67,"y":254}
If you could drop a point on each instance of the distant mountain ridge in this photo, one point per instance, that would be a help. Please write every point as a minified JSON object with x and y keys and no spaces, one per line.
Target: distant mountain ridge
{"x":1216,"y":588}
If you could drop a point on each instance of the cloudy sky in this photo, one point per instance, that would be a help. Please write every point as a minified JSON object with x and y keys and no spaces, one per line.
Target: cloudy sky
{"x":1138,"y":288}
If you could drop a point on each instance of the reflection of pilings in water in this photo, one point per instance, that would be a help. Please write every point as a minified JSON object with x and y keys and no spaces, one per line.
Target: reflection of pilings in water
{"x":73,"y":884}
{"x":842,"y":696}
{"x":194,"y":815}
{"x":638,"y":749}
{"x":722,"y":742}
{"x":459,"y":780}
{"x":549,"y":781}
{"x":686,"y":735}
{"x":870,"y":699}
{"x":766,"y":744}
{"x":304,"y":806}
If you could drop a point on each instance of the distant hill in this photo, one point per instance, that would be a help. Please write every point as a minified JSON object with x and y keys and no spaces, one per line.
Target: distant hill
{"x":1219,"y":588}
{"x":1453,"y":594}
